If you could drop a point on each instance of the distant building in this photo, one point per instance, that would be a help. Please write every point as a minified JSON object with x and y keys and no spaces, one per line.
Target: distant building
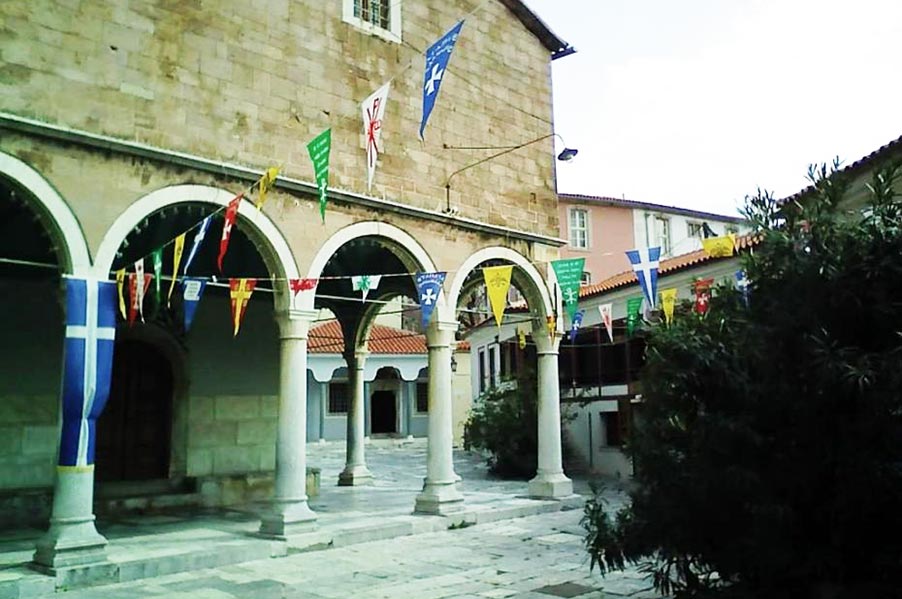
{"x":601,"y":229}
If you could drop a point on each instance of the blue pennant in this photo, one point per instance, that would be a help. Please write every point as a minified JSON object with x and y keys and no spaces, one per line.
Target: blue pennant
{"x":645,"y":265}
{"x":192,"y":290}
{"x":429,"y":287}
{"x":437,"y":57}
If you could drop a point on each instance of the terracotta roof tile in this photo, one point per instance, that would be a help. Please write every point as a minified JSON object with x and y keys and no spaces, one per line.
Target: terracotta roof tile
{"x":326,"y":338}
{"x":667,"y":266}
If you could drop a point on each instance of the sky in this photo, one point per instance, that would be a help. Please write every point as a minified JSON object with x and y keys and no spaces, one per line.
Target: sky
{"x":698,"y":103}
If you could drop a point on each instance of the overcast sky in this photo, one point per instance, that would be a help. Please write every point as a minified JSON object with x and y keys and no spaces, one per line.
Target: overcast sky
{"x":696,"y":103}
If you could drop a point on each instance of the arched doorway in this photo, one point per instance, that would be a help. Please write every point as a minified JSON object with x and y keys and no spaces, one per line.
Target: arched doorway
{"x":135,"y":430}
{"x":384,"y":402}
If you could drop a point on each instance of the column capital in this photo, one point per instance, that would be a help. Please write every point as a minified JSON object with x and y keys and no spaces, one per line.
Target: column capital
{"x":295,"y":324}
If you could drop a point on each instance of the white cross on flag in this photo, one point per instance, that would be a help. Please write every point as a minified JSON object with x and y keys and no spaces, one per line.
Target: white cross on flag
{"x":437,"y":57}
{"x":645,"y":265}
{"x":429,"y":287}
{"x":373,"y":109}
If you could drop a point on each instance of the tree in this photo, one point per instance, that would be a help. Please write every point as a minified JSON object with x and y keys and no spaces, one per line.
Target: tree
{"x":769,"y":455}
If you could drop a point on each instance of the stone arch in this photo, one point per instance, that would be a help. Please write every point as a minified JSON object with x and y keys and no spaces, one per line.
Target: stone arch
{"x":526,"y":276}
{"x":408,"y":249}
{"x":54,"y":210}
{"x":267,"y":238}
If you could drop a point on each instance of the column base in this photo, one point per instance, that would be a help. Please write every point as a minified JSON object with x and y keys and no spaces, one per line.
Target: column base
{"x":287,"y":514}
{"x":550,"y":486}
{"x":439,"y":499}
{"x":355,"y":476}
{"x":70,"y":542}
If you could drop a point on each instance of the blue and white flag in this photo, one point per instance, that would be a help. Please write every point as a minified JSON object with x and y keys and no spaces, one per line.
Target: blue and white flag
{"x":742,"y":283}
{"x":87,"y":366}
{"x":645,"y":265}
{"x":429,"y":287}
{"x":437,"y":57}
{"x":192,"y":290}
{"x":576,"y":323}
{"x":198,"y":239}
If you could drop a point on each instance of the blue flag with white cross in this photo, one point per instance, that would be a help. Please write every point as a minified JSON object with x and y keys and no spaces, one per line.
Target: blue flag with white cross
{"x":645,"y":265}
{"x":437,"y":57}
{"x":429,"y":286}
{"x":87,"y":366}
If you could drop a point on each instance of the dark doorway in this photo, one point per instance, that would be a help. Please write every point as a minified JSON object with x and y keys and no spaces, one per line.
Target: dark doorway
{"x":383,"y":412}
{"x":133,"y":433}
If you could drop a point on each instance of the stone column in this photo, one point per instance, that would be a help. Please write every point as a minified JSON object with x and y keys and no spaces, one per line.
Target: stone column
{"x":289,"y":504}
{"x":550,"y":481}
{"x":356,"y":472}
{"x":440,"y":494}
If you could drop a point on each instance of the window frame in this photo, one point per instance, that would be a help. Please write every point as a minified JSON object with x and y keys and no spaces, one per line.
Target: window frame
{"x":329,"y":411}
{"x":585,"y":279}
{"x":663,"y":231}
{"x":571,"y":229}
{"x":392,"y":34}
{"x":416,"y":397}
{"x":700,"y":226}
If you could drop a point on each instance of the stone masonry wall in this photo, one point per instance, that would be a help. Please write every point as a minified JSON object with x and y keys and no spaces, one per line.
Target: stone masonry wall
{"x":253,"y":82}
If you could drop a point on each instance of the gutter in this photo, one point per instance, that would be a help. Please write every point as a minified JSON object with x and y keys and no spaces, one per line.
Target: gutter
{"x":20,"y":124}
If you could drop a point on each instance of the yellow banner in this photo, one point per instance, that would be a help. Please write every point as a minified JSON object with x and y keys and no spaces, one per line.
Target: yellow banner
{"x":497,"y":282}
{"x":176,"y":260}
{"x":719,"y":247}
{"x":120,"y":283}
{"x":266,"y":183}
{"x":668,"y":300}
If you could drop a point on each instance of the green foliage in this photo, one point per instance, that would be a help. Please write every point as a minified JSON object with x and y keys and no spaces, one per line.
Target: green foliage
{"x":769,"y":452}
{"x":504,"y":422}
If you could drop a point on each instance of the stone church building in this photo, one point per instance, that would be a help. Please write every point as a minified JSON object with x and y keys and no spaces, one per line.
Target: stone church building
{"x":125,"y":124}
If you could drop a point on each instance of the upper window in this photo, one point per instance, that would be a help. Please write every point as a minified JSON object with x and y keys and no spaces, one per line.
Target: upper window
{"x":696,"y":230}
{"x":732,"y":229}
{"x":579,"y":228}
{"x":662,"y":231}
{"x":379,"y":17}
{"x":585,"y":279}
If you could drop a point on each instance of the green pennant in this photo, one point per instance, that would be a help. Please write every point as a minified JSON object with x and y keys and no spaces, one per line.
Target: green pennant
{"x":633,"y":306}
{"x":157,"y":257}
{"x":569,"y":273}
{"x":319,"y":150}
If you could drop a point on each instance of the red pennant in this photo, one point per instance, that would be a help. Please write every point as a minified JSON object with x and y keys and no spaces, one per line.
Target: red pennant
{"x":133,"y":295}
{"x":240,"y":290}
{"x":231,"y":215}
{"x":298,"y":285}
{"x":702,"y":289}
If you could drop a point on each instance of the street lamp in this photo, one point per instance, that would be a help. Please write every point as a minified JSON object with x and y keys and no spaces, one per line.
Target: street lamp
{"x":566,"y":155}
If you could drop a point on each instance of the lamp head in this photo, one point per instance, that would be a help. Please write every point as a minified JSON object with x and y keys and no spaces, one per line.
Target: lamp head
{"x":567,"y":154}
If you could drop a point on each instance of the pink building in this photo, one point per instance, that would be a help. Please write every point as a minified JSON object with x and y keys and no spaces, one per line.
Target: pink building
{"x":601,"y":229}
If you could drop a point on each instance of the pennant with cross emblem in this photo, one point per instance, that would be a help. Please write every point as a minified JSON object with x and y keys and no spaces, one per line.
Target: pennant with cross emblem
{"x":429,"y":287}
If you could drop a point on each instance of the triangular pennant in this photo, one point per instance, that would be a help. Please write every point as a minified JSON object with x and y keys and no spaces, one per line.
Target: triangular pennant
{"x":429,"y":287}
{"x":645,"y":265}
{"x":319,"y":149}
{"x":575,"y":324}
{"x":136,"y":295}
{"x":668,"y":301}
{"x":192,"y":290}
{"x":607,"y":317}
{"x":231,"y":215}
{"x":437,"y":57}
{"x":240,"y":291}
{"x":120,"y":284}
{"x":633,"y":310}
{"x":497,"y":282}
{"x":267,"y":181}
{"x":365,"y":283}
{"x":157,"y":259}
{"x":373,"y":109}
{"x":522,"y":331}
{"x":139,"y":289}
{"x":719,"y":247}
{"x":569,"y":274}
{"x":702,"y":290}
{"x":299,"y":285}
{"x":198,"y":239}
{"x":177,"y":250}
{"x":551,"y":325}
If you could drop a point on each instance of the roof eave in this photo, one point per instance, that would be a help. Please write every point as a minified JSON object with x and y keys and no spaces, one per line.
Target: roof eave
{"x":558,"y":47}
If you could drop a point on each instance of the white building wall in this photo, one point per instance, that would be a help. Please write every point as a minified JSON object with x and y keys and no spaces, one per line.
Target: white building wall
{"x":647,"y":230}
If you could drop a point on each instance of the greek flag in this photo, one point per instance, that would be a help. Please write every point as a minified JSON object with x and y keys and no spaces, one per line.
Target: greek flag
{"x":645,"y":265}
{"x":437,"y":57}
{"x":87,"y":365}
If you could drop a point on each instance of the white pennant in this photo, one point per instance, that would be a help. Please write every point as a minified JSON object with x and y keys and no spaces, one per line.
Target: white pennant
{"x":607,"y":318}
{"x":373,"y":108}
{"x":365,"y":283}
{"x":139,"y":286}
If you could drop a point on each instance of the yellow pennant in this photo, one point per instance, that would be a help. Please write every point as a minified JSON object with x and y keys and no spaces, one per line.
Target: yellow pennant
{"x":120,"y":283}
{"x":668,"y":300}
{"x":176,"y":260}
{"x":240,"y":291}
{"x":719,"y":247}
{"x":497,"y":282}
{"x":266,"y":183}
{"x":521,"y":337}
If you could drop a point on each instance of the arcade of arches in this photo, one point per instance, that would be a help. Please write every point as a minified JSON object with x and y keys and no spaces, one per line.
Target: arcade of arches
{"x":199,"y":405}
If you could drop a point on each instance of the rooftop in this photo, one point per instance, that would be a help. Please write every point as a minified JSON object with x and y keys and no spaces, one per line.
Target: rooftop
{"x":326,"y":338}
{"x":575,"y":198}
